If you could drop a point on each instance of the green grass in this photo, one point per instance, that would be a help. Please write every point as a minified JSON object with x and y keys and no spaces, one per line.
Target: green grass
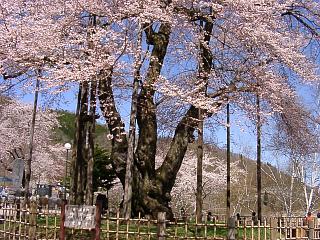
{"x":248,"y":233}
{"x":41,"y":220}
{"x":48,"y":227}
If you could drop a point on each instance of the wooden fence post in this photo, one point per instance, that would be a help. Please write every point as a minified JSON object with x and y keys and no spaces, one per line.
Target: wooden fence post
{"x":62,"y":219}
{"x":231,"y":228}
{"x":161,"y":225}
{"x":273,"y":228}
{"x":316,"y":228}
{"x":311,"y":229}
{"x":17,"y":218}
{"x":33,"y":219}
{"x":98,"y":220}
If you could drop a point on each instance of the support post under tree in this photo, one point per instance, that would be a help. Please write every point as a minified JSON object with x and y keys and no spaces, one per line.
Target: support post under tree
{"x":259,"y":200}
{"x":228,"y":164}
{"x":199,"y":200}
{"x":29,"y":160}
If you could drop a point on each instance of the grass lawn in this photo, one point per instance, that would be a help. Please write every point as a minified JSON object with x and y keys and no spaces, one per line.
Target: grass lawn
{"x":48,"y":227}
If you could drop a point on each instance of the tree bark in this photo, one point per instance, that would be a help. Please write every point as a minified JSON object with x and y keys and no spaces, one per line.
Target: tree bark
{"x":259,"y":201}
{"x":150,"y":188}
{"x":228,"y":212}
{"x":74,"y":162}
{"x":167,"y":172}
{"x":127,"y":199}
{"x":79,"y":163}
{"x":119,"y":142}
{"x":204,"y":71}
{"x":29,"y":160}
{"x":199,"y":198}
{"x":90,"y":124}
{"x":146,"y":112}
{"x":90,"y":144}
{"x":82,"y":160}
{"x":152,"y":195}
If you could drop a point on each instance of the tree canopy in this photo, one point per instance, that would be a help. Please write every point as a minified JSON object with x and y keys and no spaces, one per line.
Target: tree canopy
{"x":183,"y":55}
{"x":15,"y":120}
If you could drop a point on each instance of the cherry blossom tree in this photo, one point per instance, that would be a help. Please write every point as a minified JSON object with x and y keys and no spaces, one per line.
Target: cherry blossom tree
{"x":214,"y":180}
{"x":15,"y":120}
{"x":193,"y":54}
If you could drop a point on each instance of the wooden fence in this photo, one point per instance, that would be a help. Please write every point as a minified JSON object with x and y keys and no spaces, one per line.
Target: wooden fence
{"x":46,"y":223}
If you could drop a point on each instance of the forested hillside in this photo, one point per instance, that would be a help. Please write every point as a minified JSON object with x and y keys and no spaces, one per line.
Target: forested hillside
{"x":66,"y":131}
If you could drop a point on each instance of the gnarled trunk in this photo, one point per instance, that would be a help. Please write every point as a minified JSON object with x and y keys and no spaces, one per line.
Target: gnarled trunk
{"x":151,"y":187}
{"x":83,"y":150}
{"x":79,"y":155}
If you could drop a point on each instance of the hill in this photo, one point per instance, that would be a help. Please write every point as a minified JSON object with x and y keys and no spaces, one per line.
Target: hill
{"x":65,"y":133}
{"x":282,"y":190}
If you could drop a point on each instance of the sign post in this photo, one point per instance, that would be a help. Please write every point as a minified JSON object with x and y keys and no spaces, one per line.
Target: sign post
{"x":98,"y":220}
{"x":80,"y":217}
{"x":62,"y":217}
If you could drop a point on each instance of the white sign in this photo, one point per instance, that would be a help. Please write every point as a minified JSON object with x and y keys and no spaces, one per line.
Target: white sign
{"x":80,"y":217}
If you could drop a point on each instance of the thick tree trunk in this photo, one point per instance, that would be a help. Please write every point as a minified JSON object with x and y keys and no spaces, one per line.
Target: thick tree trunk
{"x":115,"y":125}
{"x":82,"y":157}
{"x":153,"y":194}
{"x":146,"y":112}
{"x":90,"y":124}
{"x":74,"y":162}
{"x":151,"y":188}
{"x":79,"y":163}
{"x":90,"y":143}
{"x":127,"y":199}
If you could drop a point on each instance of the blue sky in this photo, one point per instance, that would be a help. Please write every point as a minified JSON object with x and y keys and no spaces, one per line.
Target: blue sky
{"x":243,"y":139}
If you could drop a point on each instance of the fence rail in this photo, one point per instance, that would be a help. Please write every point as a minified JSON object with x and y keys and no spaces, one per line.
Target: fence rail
{"x":44,"y":223}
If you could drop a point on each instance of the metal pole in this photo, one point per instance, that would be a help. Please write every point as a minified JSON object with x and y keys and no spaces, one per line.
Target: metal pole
{"x":65,"y":176}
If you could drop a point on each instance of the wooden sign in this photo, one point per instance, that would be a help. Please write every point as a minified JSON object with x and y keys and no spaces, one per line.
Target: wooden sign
{"x":80,"y":216}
